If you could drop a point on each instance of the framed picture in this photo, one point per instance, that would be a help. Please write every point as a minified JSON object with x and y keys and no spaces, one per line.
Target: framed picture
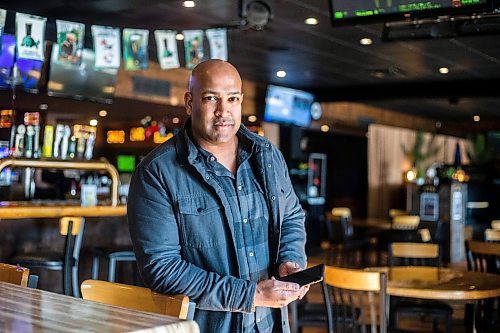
{"x":429,"y":206}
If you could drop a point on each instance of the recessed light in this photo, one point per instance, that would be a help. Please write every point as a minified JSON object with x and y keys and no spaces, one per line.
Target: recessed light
{"x":103,"y":113}
{"x":179,"y":36}
{"x":280,"y":73}
{"x":252,"y":119}
{"x":325,"y":128}
{"x":311,"y":21}
{"x":366,"y":41}
{"x":93,"y":122}
{"x":43,"y":106}
{"x":444,"y":70}
{"x":189,"y":4}
{"x":477,"y":118}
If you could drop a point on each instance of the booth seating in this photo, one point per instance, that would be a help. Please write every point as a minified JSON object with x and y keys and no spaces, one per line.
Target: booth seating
{"x":65,"y":261}
{"x":418,"y":254}
{"x":138,"y":298}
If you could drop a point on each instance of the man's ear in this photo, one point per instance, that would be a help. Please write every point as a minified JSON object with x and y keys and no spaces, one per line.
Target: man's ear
{"x":188,"y":102}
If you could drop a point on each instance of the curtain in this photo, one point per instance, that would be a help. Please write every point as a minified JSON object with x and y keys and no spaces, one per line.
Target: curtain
{"x":387,"y":163}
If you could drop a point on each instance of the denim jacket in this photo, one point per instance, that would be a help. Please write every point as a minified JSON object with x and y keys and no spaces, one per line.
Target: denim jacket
{"x":179,"y":221}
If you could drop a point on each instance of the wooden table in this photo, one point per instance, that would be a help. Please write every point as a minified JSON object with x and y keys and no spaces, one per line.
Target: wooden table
{"x":440,"y":283}
{"x":32,"y":310}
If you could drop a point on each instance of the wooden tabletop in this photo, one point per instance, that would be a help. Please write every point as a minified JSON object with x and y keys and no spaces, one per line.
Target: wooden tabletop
{"x":32,"y":310}
{"x":440,"y":283}
{"x":24,"y":211}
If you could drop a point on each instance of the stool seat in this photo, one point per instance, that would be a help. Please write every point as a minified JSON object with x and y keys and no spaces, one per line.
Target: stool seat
{"x":39,"y":260}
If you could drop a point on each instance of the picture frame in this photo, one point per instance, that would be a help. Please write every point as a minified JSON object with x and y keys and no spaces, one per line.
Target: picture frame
{"x":429,"y":206}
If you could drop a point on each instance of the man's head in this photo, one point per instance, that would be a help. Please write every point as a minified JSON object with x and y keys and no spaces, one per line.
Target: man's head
{"x":214,"y":102}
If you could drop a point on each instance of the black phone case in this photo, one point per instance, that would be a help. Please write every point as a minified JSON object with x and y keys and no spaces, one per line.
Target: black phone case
{"x":311,"y":275}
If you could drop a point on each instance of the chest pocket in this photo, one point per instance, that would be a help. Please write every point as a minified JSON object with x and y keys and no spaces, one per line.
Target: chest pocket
{"x":201,"y":222}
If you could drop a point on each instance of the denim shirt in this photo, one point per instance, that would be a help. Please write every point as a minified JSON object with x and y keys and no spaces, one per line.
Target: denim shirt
{"x":179,"y":219}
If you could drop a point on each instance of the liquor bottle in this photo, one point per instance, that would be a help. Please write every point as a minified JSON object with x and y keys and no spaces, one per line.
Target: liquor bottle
{"x":48,"y":140}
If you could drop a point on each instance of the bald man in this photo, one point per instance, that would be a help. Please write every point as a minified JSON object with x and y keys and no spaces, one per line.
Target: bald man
{"x":213,"y":215}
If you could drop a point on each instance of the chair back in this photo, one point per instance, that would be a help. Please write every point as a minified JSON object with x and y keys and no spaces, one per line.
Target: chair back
{"x":397,"y":212}
{"x":341,"y":212}
{"x":425,"y":235}
{"x":14,"y":274}
{"x":339,"y":226}
{"x":495,"y":224}
{"x":405,"y":222}
{"x":359,"y":300}
{"x":71,"y":227}
{"x":492,"y":235}
{"x":483,"y":256}
{"x":416,"y":254}
{"x":134,"y":297}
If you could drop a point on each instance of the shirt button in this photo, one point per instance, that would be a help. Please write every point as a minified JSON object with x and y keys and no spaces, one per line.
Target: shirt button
{"x":212,"y":158}
{"x":268,"y":165}
{"x":250,"y":254}
{"x":207,"y":177}
{"x":273,"y":197}
{"x":239,"y":187}
{"x":245,"y":220}
{"x":267,"y":145}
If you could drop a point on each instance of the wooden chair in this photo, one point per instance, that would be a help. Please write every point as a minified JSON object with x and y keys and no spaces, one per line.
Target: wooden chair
{"x":137,"y":298}
{"x":492,"y":235}
{"x":397,"y":212}
{"x":343,"y":241}
{"x":418,"y":254}
{"x":17,"y":275}
{"x":495,"y":224}
{"x":66,"y":261}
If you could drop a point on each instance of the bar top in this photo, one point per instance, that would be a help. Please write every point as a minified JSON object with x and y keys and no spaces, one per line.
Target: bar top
{"x":23,"y":210}
{"x":31,"y":310}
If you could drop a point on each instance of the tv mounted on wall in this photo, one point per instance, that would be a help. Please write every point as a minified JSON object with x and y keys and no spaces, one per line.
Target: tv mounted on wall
{"x":82,"y":82}
{"x":288,"y":106}
{"x":364,"y":11}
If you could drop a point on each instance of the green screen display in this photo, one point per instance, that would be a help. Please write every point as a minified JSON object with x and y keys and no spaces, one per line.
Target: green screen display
{"x":125,"y":163}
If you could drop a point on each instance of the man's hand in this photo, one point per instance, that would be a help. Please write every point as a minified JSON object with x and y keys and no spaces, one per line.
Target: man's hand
{"x":275,"y":294}
{"x":289,"y":267}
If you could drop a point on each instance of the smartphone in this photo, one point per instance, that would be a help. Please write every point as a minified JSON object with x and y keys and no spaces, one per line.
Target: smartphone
{"x":307,"y":276}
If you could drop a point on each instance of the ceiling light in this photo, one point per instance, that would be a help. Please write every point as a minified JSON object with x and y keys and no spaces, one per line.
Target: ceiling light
{"x":444,"y":70}
{"x":280,"y":73}
{"x":175,"y":120}
{"x":179,"y":36}
{"x":93,"y":122}
{"x":189,"y":4}
{"x":477,"y":118}
{"x":365,"y":41}
{"x":103,"y":113}
{"x":325,"y":128}
{"x":252,"y":119}
{"x":43,"y":106}
{"x":311,"y":21}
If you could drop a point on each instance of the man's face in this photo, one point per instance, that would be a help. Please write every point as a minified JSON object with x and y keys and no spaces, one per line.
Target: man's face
{"x":214,"y":104}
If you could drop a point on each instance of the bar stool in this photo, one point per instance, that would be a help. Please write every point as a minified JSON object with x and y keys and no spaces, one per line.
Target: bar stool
{"x":67,"y":262}
{"x":113,"y":255}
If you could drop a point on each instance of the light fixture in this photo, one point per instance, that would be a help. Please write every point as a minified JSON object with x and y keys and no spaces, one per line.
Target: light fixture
{"x":43,"y":106}
{"x":179,"y":36}
{"x":311,"y":21}
{"x":103,"y":113}
{"x":188,"y":4}
{"x":175,"y":120}
{"x":411,"y":175}
{"x":252,"y":119}
{"x":280,"y":73}
{"x":325,"y":128}
{"x":444,"y":70}
{"x":477,"y":118}
{"x":366,"y":41}
{"x":93,"y":122}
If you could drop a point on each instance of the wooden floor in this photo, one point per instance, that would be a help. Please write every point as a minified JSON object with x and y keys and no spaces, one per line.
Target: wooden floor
{"x":414,"y":324}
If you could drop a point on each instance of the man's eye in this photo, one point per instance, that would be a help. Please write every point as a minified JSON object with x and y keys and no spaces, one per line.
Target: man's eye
{"x":210,"y":98}
{"x":234,"y":99}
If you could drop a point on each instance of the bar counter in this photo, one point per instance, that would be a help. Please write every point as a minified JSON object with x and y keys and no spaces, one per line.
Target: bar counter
{"x":24,"y":210}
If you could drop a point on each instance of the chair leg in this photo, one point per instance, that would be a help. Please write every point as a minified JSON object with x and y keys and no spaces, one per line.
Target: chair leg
{"x":74,"y":280}
{"x":112,"y":269}
{"x":95,"y":267}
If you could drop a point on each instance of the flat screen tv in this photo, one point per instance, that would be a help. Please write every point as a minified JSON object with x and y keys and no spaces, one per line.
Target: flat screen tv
{"x":288,"y":106}
{"x":344,"y":11}
{"x":82,"y":82}
{"x":28,"y":71}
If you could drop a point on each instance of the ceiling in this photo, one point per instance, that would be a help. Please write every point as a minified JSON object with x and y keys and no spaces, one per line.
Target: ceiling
{"x":326,"y":60}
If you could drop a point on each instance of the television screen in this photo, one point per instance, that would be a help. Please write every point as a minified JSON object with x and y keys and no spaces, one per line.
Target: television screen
{"x":82,"y":81}
{"x":386,"y":10}
{"x":288,"y":106}
{"x":21,"y":72}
